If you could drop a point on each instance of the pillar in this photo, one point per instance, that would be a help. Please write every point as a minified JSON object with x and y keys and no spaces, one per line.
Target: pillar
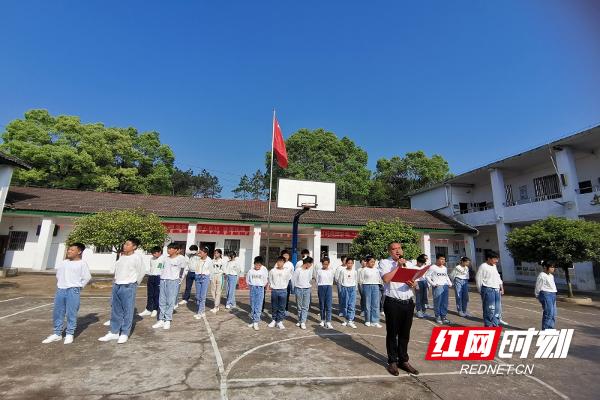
{"x":470,"y":248}
{"x":317,"y":245}
{"x":568,"y":179}
{"x":40,"y":263}
{"x":5,"y":177}
{"x":256,"y":242}
{"x":427,"y":246}
{"x":507,"y":263}
{"x":191,"y":236}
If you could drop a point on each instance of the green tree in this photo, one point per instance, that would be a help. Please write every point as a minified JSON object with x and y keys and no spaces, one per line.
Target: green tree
{"x":204,"y":184}
{"x":374,"y":238}
{"x":320,"y":155}
{"x":396,"y":177}
{"x":68,"y":154}
{"x":112,"y":228}
{"x":258,"y":189}
{"x":243,"y":189}
{"x":565,"y":241}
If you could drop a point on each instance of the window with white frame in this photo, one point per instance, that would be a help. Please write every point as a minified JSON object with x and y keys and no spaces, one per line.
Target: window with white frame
{"x":232,"y":245}
{"x":343,"y":250}
{"x":17,"y":240}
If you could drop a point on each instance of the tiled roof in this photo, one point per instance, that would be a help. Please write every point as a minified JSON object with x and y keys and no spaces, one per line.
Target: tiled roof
{"x":12,"y":160}
{"x":86,"y":202}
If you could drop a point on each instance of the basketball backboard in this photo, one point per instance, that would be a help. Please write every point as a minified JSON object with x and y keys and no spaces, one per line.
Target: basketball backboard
{"x":296,"y":194}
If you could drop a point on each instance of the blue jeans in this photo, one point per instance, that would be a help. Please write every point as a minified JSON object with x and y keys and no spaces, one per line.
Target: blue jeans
{"x":202,"y":282}
{"x":325,"y":293}
{"x":348,"y":301}
{"x":153,"y":290}
{"x":167,"y":298}
{"x":490,"y":299}
{"x":362,"y":298}
{"x":302,"y":303}
{"x":548,"y":300}
{"x":232,"y":281}
{"x":440,"y":301}
{"x":371,"y":295}
{"x":278,"y":298}
{"x":257,"y":295}
{"x":66,"y":302}
{"x":340,"y":298}
{"x":189,"y":281}
{"x":123,"y":305}
{"x":461,"y":291}
{"x":421,"y":296}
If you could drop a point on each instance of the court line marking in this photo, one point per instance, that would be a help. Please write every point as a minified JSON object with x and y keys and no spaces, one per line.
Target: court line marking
{"x":218,"y":358}
{"x":337,"y":378}
{"x":558,"y":316}
{"x":16,"y":298}
{"x":24,"y":311}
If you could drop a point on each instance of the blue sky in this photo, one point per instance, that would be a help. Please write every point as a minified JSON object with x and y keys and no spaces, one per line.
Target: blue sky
{"x":471,"y":80}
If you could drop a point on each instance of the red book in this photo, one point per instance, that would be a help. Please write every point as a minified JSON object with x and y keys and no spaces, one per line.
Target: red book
{"x":408,"y":274}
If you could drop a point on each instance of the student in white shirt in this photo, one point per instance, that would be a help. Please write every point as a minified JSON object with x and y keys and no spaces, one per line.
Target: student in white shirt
{"x":545,"y":291}
{"x":257,"y":278}
{"x":189,"y":275}
{"x":290,"y":289}
{"x":348,"y":279}
{"x":129,"y":272}
{"x":363,"y":264}
{"x":324,"y":276}
{"x":302,"y":281}
{"x":153,"y":283}
{"x":216,"y":281}
{"x":232,"y":272}
{"x":489,"y":285}
{"x":460,"y":278}
{"x":369,"y":278}
{"x":336,"y":271}
{"x":421,"y":288}
{"x":437,"y":277}
{"x":203,"y":272}
{"x":279,"y":278}
{"x":169,"y":285}
{"x":72,"y":275}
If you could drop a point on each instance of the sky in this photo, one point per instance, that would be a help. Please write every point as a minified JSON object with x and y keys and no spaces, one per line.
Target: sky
{"x":473,"y":81}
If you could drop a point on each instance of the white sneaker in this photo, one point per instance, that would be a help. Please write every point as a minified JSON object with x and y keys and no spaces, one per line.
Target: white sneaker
{"x":68,"y":339}
{"x":303,"y":326}
{"x":108,"y":337}
{"x":328,"y":325}
{"x":214,"y":310}
{"x":298,"y":324}
{"x":280,"y":325}
{"x":52,"y":338}
{"x":341,"y":314}
{"x":154,"y":313}
{"x":144,"y":313}
{"x":462,"y":314}
{"x":425,"y":315}
{"x":272,"y":324}
{"x":255,"y":326}
{"x":377,"y":325}
{"x":344,"y":323}
{"x":228,"y":306}
{"x":176,"y":306}
{"x":122,"y":339}
{"x":182,"y":302}
{"x":467,"y":315}
{"x":107,"y":323}
{"x":159,"y":324}
{"x":251,"y":324}
{"x":446,"y":321}
{"x":419,"y":314}
{"x":502,"y":322}
{"x":381,"y":313}
{"x":198,"y":316}
{"x":438,"y":320}
{"x":167,"y":325}
{"x":351,"y":324}
{"x":367,"y":324}
{"x":322,"y":323}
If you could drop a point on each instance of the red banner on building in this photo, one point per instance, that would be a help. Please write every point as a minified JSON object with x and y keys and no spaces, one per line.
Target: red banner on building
{"x":338,"y":234}
{"x":174,"y":227}
{"x":228,"y":230}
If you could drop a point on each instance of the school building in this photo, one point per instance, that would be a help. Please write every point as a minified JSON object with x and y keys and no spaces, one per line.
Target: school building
{"x":37,"y":222}
{"x":560,"y":178}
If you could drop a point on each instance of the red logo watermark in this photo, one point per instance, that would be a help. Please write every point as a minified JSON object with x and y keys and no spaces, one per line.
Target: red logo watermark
{"x":463,"y":343}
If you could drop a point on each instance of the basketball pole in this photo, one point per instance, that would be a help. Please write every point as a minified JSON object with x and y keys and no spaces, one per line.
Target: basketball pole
{"x":270,"y":192}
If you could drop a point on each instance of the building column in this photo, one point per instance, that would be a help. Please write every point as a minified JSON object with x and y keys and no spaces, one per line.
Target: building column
{"x":317,"y":245}
{"x":40,"y":263}
{"x":568,"y":179}
{"x":6,"y":172}
{"x":191,"y":236}
{"x":499,"y":195}
{"x":256,"y":243}
{"x":470,"y":248}
{"x":426,"y":245}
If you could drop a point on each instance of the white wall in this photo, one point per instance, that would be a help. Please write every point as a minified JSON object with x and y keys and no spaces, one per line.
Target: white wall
{"x":434,"y":199}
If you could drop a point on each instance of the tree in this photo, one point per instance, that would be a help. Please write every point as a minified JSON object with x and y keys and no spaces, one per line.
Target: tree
{"x":320,"y":155}
{"x":373,"y":239}
{"x":186,"y":183}
{"x":65,"y":153}
{"x":565,"y":241}
{"x":398,"y":176}
{"x":110,"y":229}
{"x":243,"y":189}
{"x":258,"y":188}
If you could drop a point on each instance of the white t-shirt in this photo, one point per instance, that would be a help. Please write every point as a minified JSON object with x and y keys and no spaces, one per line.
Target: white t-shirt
{"x":258,"y":277}
{"x":303,"y":277}
{"x":369,"y":276}
{"x":219,"y":265}
{"x":279,"y":278}
{"x":438,"y":276}
{"x":72,"y":274}
{"x":460,"y":272}
{"x":172,"y":267}
{"x":544,"y":283}
{"x":156,"y":265}
{"x":347,"y":277}
{"x":325,"y":276}
{"x":395,"y":290}
{"x":129,"y":269}
{"x":488,"y":275}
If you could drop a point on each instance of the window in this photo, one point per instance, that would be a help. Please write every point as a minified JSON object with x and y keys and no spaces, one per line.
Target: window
{"x":585,"y":187}
{"x":16,"y":240}
{"x":523,"y":192}
{"x":509,"y":195}
{"x":546,"y":187}
{"x":441,"y":251}
{"x":103,"y":250}
{"x":232,"y":245}
{"x":39,"y":228}
{"x":343,"y":249}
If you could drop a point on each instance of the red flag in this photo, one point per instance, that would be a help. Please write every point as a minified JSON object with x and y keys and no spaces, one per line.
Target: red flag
{"x":279,"y":145}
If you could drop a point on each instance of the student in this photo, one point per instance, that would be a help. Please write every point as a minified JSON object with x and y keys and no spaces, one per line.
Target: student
{"x":302,"y":281}
{"x":232,"y":270}
{"x":370,"y":278}
{"x":421,"y":289}
{"x":363,"y":264}
{"x":290,"y":289}
{"x":303,"y":254}
{"x":217,"y":279}
{"x":489,"y":285}
{"x":203,"y":270}
{"x":190,"y":276}
{"x":129,"y":272}
{"x":348,"y":280}
{"x":153,"y":283}
{"x":257,"y":278}
{"x":169,"y":285}
{"x":545,"y":292}
{"x":72,"y":274}
{"x":324,"y":276}
{"x":460,"y":278}
{"x":437,"y":277}
{"x":279,"y":278}
{"x":340,"y":293}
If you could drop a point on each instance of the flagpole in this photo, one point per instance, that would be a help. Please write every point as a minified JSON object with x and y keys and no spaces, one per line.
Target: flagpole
{"x":270,"y":191}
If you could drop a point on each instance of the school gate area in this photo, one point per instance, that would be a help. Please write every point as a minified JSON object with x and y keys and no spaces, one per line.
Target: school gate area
{"x":221,"y":358}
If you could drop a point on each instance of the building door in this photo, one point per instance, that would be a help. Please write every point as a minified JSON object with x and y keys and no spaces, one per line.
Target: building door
{"x":3,"y":248}
{"x":324,"y":252}
{"x":211,"y":247}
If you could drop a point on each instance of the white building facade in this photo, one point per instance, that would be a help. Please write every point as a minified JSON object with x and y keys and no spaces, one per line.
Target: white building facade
{"x":561,"y":178}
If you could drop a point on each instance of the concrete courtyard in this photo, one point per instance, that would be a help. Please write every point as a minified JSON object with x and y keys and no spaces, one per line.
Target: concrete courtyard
{"x":221,"y":358}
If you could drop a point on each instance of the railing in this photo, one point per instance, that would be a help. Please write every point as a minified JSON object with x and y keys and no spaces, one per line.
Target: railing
{"x":475,"y":208}
{"x":534,"y":199}
{"x":594,"y":189}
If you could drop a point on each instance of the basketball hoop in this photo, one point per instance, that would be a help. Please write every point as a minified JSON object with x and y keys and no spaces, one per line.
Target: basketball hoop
{"x":308,"y":206}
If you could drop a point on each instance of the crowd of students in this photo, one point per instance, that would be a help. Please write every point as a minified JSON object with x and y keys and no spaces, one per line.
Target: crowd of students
{"x":371,"y":281}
